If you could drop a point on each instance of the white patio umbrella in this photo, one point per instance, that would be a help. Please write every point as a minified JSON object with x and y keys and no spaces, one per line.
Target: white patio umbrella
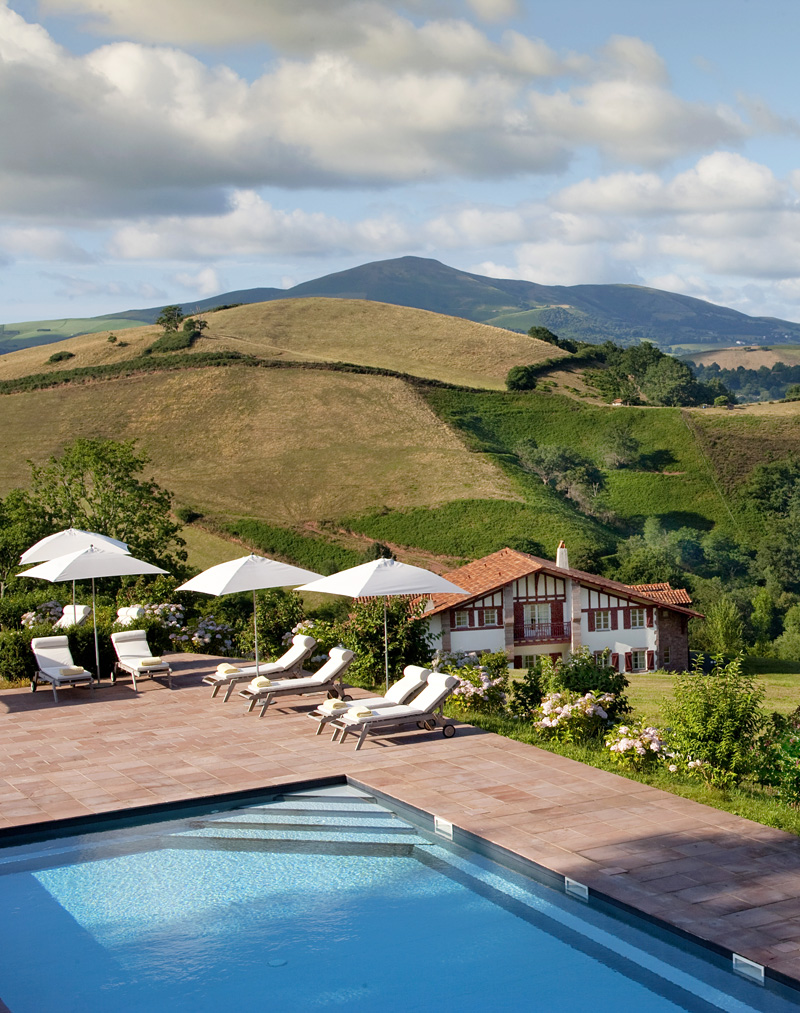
{"x":90,"y":564}
{"x":382,"y":578}
{"x":69,"y":540}
{"x":248,"y":573}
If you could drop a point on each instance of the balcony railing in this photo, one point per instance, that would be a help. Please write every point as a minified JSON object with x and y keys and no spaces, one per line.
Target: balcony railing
{"x":539,"y":633}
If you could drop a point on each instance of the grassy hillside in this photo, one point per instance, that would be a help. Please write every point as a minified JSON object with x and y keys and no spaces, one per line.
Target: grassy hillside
{"x":372,"y":334}
{"x":749,"y":358}
{"x":44,"y":332}
{"x":286,"y":446}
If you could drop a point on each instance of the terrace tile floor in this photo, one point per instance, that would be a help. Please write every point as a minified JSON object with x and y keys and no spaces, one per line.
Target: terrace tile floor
{"x":714,"y":874}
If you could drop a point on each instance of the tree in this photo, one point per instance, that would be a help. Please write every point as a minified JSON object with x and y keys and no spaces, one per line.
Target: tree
{"x":564,"y":469}
{"x":724,"y":628}
{"x":622,"y":447}
{"x":95,"y":485}
{"x":545,"y":334}
{"x":21,"y":524}
{"x":171,"y":317}
{"x":762,"y":618}
{"x":792,"y":392}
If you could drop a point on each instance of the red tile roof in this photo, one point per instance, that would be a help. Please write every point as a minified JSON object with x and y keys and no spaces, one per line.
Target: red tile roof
{"x":664,"y":593}
{"x":483,"y":576}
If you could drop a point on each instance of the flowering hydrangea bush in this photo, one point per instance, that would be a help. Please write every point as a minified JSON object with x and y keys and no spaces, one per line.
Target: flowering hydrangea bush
{"x":170,"y":616}
{"x":479,"y":688}
{"x":638,"y":745}
{"x":211,"y":637}
{"x":568,"y":717}
{"x":43,"y":615}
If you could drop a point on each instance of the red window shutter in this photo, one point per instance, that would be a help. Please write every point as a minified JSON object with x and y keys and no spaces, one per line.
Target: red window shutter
{"x":590,"y":621}
{"x":649,"y":617}
{"x":557,"y":612}
{"x":651,"y":660}
{"x":628,"y":661}
{"x":517,"y":661}
{"x":626,"y":618}
{"x":614,"y":619}
{"x":615,"y":661}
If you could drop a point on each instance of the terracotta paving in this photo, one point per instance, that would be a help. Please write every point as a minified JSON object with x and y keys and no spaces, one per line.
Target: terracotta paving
{"x":716,"y":875}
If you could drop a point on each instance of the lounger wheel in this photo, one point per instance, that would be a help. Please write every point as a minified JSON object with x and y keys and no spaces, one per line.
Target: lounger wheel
{"x":34,"y":684}
{"x":346,"y":696}
{"x":448,"y":731}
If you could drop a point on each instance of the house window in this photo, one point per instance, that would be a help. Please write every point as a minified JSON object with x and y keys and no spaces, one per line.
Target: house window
{"x":528,"y":660}
{"x":638,"y":661}
{"x":487,"y":617}
{"x":602,"y":620}
{"x":666,"y":656}
{"x":461,"y":620}
{"x":536,"y":615}
{"x":637,"y":618}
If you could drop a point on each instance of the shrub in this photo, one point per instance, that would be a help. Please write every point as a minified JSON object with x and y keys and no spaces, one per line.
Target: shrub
{"x":46,"y":614}
{"x":527,"y":693}
{"x":211,"y":637}
{"x":715,"y":719}
{"x":362,"y":633}
{"x":569,"y":717}
{"x":277,"y":613}
{"x":186,"y":515}
{"x":581,"y":674}
{"x":483,"y":679}
{"x":637,"y":746}
{"x":61,"y":356}
{"x":17,"y":663}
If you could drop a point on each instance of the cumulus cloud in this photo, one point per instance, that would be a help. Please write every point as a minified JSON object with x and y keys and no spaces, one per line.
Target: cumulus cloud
{"x":42,"y":244}
{"x":205,"y":283}
{"x":131,"y":129}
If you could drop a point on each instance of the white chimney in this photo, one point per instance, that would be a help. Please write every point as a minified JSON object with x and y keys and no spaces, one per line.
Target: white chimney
{"x":562,"y":559}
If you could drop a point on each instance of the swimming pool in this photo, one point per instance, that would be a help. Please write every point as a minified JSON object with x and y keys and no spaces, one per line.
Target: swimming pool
{"x":324,"y":899}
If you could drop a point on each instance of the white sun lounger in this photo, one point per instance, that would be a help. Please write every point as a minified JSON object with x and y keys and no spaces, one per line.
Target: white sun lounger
{"x":55,"y":665}
{"x":73,"y":615}
{"x":425,"y":710}
{"x":288,"y":665}
{"x":327,"y":680}
{"x":402,"y":691}
{"x":135,"y":657}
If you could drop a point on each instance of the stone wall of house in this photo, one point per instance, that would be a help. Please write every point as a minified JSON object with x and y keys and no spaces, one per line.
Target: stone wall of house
{"x":673,"y":636}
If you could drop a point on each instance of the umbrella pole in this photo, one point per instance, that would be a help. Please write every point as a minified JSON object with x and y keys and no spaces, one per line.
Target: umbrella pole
{"x":385,"y":646}
{"x":73,"y":599}
{"x":255,"y":629}
{"x":96,"y":648}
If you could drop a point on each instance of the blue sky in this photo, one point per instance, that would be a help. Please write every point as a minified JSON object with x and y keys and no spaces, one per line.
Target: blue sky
{"x":158,"y":152}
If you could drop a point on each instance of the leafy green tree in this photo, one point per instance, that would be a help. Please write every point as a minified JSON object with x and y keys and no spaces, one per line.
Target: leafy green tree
{"x":774,"y":487}
{"x":96,"y":485}
{"x":669,"y":382}
{"x":277,"y":613}
{"x":21,"y":524}
{"x":563,"y":469}
{"x":544,"y":334}
{"x":171,"y":318}
{"x":762,"y":619}
{"x":792,"y":392}
{"x":724,"y":630}
{"x":622,"y":447}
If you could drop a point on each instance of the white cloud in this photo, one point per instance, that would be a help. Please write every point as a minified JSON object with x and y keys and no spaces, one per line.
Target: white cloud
{"x":721,"y":181}
{"x":130,"y":129}
{"x":205,"y":283}
{"x":42,"y":244}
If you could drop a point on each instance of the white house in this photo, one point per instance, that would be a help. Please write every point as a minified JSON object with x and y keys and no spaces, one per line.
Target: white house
{"x":528,"y":606}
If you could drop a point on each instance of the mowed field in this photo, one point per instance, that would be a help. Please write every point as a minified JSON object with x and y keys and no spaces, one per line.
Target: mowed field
{"x":748,"y":357}
{"x":285,"y":446}
{"x":328,"y":330}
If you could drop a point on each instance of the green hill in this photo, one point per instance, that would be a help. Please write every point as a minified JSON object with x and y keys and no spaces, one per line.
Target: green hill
{"x":291,"y":438}
{"x":595,"y":313}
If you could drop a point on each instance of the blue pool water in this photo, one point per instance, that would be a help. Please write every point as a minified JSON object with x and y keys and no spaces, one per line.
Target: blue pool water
{"x":322,"y":900}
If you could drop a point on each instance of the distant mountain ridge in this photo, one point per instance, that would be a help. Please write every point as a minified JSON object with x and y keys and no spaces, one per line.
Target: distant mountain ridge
{"x":596,"y":313}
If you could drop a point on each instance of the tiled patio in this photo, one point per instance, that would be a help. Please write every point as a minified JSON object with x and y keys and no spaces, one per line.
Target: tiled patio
{"x":716,"y":875}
